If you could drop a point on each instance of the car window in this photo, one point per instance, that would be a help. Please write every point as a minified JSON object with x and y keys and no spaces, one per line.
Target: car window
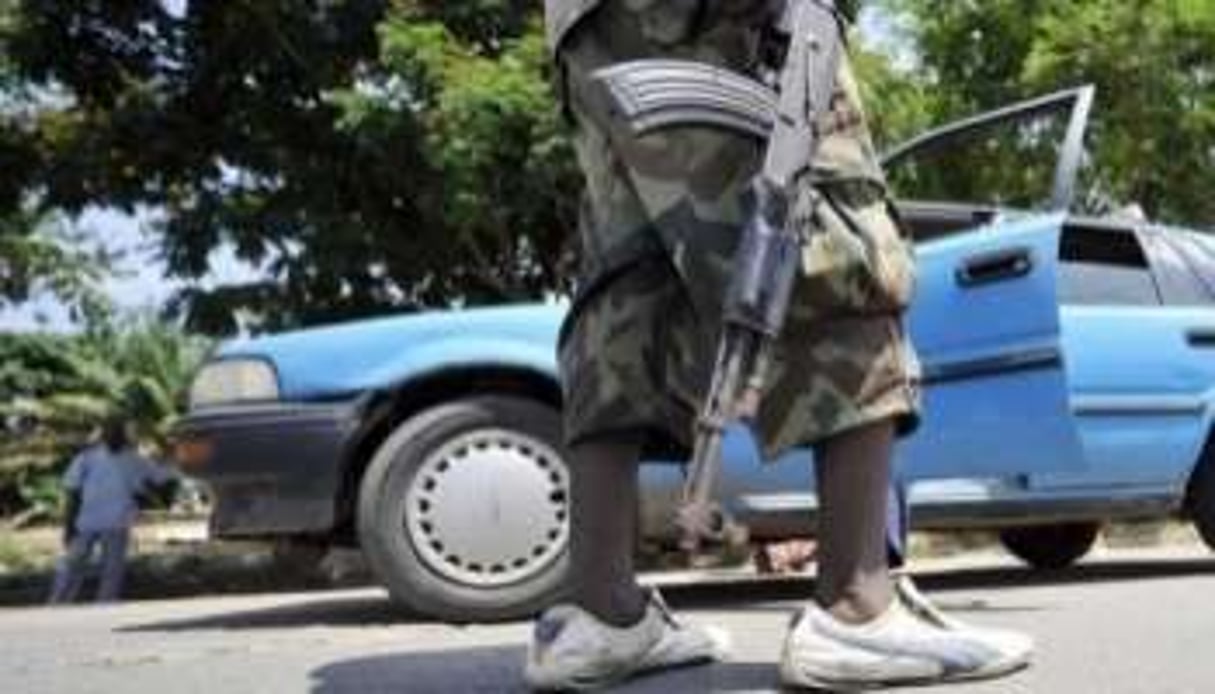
{"x":1008,"y":164}
{"x":1178,"y":284}
{"x":1199,"y":253}
{"x":1025,"y":155}
{"x":1104,"y":267}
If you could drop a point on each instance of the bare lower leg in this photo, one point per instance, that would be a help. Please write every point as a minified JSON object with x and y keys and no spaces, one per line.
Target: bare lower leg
{"x":603,"y":531}
{"x":853,"y":478}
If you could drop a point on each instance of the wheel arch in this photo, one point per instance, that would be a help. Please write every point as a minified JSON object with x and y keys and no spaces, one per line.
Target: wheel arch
{"x":1206,"y":457}
{"x":404,"y":399}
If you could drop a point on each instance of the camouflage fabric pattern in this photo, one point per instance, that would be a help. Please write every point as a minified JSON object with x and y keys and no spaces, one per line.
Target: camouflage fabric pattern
{"x":660,"y":221}
{"x":561,"y":15}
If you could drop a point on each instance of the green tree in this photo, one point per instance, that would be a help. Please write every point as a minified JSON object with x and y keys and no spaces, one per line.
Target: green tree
{"x":971,"y":55}
{"x":368,"y":155}
{"x":503,"y":187}
{"x":1150,"y":59}
{"x":1155,"y":72}
{"x":897,"y":103}
{"x":38,"y":257}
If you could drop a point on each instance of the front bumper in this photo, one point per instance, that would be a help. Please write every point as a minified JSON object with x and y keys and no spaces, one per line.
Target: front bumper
{"x":273,"y":469}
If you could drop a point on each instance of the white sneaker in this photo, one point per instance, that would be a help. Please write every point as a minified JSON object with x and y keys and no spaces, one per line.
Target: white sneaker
{"x":899,"y":647}
{"x":1013,"y":644}
{"x":906,"y":591}
{"x":573,"y":650}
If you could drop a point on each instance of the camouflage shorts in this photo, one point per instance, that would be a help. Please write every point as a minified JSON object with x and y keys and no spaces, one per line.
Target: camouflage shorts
{"x":660,"y":221}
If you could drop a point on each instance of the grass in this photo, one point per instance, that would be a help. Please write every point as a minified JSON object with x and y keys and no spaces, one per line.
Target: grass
{"x":19,"y":555}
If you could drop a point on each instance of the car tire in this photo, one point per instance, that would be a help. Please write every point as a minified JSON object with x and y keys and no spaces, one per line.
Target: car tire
{"x":463,"y":510}
{"x":1050,"y":546}
{"x":1200,"y":501}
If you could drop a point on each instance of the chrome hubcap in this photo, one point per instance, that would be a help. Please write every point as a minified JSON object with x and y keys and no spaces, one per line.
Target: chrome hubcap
{"x":489,"y":508}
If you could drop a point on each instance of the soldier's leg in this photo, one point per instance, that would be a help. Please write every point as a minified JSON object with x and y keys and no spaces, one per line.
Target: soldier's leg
{"x":612,"y":630}
{"x":615,"y":354}
{"x":853,"y":484}
{"x":603,"y":530}
{"x":863,"y":629}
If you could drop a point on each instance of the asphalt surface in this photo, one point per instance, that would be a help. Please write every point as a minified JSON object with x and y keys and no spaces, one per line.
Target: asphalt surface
{"x":1127,"y":623}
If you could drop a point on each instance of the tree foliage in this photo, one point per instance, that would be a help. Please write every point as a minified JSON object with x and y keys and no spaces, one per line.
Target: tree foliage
{"x":36,"y":260}
{"x":368,"y":155}
{"x":1150,"y":60}
{"x":503,"y":187}
{"x":897,"y":104}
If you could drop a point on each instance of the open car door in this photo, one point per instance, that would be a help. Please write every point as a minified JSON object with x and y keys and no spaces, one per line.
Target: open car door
{"x":987,"y":215}
{"x":985,"y":200}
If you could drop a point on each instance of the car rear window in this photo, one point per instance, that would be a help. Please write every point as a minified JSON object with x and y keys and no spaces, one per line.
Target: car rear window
{"x":1199,"y":253}
{"x":1174,"y":272}
{"x":1104,"y":267}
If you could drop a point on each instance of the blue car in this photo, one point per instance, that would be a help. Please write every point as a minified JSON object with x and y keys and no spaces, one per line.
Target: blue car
{"x":1068,"y":378}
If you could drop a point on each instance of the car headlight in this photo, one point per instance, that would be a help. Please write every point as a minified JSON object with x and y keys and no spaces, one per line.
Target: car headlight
{"x":234,"y":380}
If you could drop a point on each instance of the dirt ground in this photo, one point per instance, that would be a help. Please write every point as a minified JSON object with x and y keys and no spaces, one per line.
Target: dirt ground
{"x":175,"y":559}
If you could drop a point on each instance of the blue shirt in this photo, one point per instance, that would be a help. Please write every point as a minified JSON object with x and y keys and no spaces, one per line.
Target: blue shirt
{"x":108,"y":483}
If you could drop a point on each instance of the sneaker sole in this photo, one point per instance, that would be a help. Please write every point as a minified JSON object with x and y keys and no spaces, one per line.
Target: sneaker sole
{"x":586,"y":685}
{"x":845,"y":686}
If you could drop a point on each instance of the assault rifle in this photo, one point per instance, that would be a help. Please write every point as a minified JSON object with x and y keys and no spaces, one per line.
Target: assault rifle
{"x":786,"y":110}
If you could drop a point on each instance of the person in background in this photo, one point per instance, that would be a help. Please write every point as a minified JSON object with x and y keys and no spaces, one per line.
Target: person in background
{"x":103,"y":485}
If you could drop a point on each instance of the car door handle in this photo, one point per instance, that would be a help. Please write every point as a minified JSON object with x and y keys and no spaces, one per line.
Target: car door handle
{"x":997,"y":266}
{"x":1201,"y":337}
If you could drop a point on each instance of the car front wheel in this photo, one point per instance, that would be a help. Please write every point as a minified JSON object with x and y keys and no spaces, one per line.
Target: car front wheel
{"x":464,"y":510}
{"x":1050,"y":546}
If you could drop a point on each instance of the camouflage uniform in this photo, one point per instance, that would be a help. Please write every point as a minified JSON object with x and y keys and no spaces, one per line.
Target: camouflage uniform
{"x":660,"y":221}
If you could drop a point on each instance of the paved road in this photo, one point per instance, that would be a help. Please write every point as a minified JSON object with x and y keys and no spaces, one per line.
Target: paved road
{"x":1126,"y":624}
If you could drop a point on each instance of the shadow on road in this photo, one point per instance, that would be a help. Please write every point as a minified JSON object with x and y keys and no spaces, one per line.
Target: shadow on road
{"x":372,"y":609}
{"x":330,"y":611}
{"x":500,"y":669}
